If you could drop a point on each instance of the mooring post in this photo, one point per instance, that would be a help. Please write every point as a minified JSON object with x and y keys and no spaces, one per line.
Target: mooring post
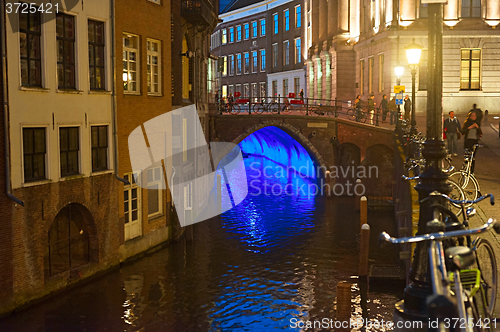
{"x":358,"y":197}
{"x":363,"y":206}
{"x":343,"y":301}
{"x":364,"y":250}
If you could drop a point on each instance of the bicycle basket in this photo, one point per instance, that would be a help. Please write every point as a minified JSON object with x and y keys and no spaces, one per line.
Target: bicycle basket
{"x":470,"y":280}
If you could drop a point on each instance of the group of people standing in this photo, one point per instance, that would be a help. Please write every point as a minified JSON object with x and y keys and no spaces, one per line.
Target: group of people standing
{"x":471,"y":129}
{"x":387,"y":107}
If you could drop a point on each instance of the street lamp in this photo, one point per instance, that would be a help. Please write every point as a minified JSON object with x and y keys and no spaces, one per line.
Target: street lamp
{"x":399,"y":73}
{"x":413,"y":52}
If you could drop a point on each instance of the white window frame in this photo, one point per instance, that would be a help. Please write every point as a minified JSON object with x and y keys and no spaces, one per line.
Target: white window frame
{"x":286,"y":53}
{"x":137,"y":61}
{"x":296,"y":20}
{"x":285,"y":12}
{"x":246,"y":70}
{"x":275,"y":56}
{"x":150,"y":55}
{"x":224,"y":66}
{"x":80,"y":156}
{"x":244,"y":31}
{"x":241,"y":33}
{"x":47,"y":155}
{"x":298,"y":57}
{"x":133,"y":185}
{"x":158,"y":182}
{"x":229,"y":35}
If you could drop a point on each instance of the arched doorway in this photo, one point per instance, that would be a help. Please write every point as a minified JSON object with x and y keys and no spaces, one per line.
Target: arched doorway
{"x":68,"y":241}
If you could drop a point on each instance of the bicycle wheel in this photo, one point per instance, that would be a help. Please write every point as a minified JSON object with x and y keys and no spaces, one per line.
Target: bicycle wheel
{"x":457,"y":193}
{"x":258,"y":109}
{"x":236,"y":109}
{"x":363,"y":117}
{"x":468,"y":183}
{"x":286,"y":110}
{"x":351,"y":114}
{"x":273,"y":107}
{"x":487,"y":264}
{"x":303,"y":110}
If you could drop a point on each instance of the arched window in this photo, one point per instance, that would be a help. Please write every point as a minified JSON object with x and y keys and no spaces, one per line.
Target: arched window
{"x":68,"y":243}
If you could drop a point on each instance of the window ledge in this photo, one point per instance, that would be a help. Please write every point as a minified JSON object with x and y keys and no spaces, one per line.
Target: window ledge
{"x":155,"y":95}
{"x":99,"y":92}
{"x":107,"y":171}
{"x":155,"y":2}
{"x":131,"y":93}
{"x":33,"y":89}
{"x":36,"y":183}
{"x":72,"y":177}
{"x":155,"y":216}
{"x":70,"y":91}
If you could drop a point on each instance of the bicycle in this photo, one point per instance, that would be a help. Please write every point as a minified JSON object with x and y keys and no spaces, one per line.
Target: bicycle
{"x":355,"y":114}
{"x":465,"y":176}
{"x":485,"y":260}
{"x":441,"y":305}
{"x":266,"y":107}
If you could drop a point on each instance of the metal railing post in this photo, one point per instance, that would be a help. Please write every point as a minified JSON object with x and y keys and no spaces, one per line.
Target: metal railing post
{"x":279,"y":104}
{"x":250,"y":106}
{"x":335,"y":109}
{"x":307,"y":106}
{"x":376,"y":120}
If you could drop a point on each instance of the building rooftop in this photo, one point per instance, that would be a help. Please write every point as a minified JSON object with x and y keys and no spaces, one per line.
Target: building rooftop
{"x":237,"y":4}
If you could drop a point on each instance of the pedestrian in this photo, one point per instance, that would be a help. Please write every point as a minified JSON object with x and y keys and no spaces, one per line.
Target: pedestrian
{"x":407,"y":108}
{"x":479,"y":113}
{"x":358,"y":104}
{"x":394,"y":110}
{"x":384,"y":105}
{"x":371,"y":107}
{"x":301,"y":95}
{"x":471,"y":130}
{"x":452,"y":129}
{"x":486,"y":116}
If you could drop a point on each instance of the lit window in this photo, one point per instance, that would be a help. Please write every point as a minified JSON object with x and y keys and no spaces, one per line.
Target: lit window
{"x":298,"y":51}
{"x":262,"y":60}
{"x":231,"y":65}
{"x":361,"y":77}
{"x":370,"y":75}
{"x":224,"y":36}
{"x":286,"y":15}
{"x":238,"y":33}
{"x":247,"y":63}
{"x":247,"y":31}
{"x":231,"y":35}
{"x":275,"y":55}
{"x":238,"y":64}
{"x":298,"y":16}
{"x":153,"y":66}
{"x":286,"y":53}
{"x":130,"y":63}
{"x":254,"y":29}
{"x":254,"y":61}
{"x":275,"y":18}
{"x":224,"y":68}
{"x":381,"y":73}
{"x":471,"y":8}
{"x":470,"y":67}
{"x":263,"y":27}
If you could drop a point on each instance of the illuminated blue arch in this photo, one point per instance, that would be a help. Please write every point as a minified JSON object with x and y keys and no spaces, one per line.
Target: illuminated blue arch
{"x":275,"y":144}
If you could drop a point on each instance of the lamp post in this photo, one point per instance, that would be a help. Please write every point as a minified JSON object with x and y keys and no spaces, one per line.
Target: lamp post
{"x":399,"y":73}
{"x":413,"y":52}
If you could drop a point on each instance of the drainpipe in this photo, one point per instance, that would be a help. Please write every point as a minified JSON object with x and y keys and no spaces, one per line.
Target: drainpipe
{"x":6,"y":107}
{"x":113,"y":94}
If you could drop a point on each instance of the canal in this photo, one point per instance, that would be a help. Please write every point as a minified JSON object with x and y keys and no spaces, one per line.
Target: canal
{"x":271,"y":261}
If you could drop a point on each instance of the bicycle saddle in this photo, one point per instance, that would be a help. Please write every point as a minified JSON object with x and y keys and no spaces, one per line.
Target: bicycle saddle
{"x":459,"y":258}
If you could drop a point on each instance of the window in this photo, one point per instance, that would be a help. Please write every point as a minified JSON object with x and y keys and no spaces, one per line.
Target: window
{"x":296,"y":89}
{"x":34,"y":152}
{"x":130,"y":63}
{"x":96,"y":55}
{"x":298,"y":51}
{"x":224,"y":91}
{"x":275,"y":55}
{"x":153,"y":66}
{"x":254,"y":62}
{"x":286,"y":15}
{"x":238,"y":33}
{"x":30,"y":48}
{"x":370,"y":75}
{"x":361,"y":77}
{"x":65,"y":32}
{"x":471,"y":8}
{"x":263,"y":27}
{"x":424,"y":10}
{"x":238,"y":64}
{"x":262,"y":60}
{"x":132,"y":206}
{"x":238,"y":88}
{"x":247,"y":31}
{"x":298,"y":16}
{"x":380,"y":73}
{"x":99,"y":140}
{"x":275,"y":88}
{"x":275,"y":19}
{"x":68,"y":242}
{"x":230,"y":90}
{"x":286,"y":53}
{"x":224,"y":68}
{"x":231,"y":35}
{"x":262,"y":89}
{"x":246,"y":92}
{"x":154,"y":193}
{"x":247,"y":62}
{"x":231,"y":65}
{"x":254,"y":93}
{"x":254,"y":29}
{"x":285,"y":87}
{"x":470,"y":67}
{"x":224,"y":36}
{"x":69,"y":148}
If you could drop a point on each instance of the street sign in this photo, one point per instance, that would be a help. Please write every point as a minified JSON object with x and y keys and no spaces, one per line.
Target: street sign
{"x":399,"y":98}
{"x":399,"y":89}
{"x":434,"y":1}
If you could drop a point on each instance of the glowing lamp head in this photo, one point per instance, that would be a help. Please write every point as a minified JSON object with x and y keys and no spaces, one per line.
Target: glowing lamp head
{"x":399,"y":71}
{"x":413,"y":52}
{"x":125,"y":77}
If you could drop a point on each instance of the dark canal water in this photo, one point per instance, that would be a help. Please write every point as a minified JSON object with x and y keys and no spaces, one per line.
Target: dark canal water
{"x":270,"y":261}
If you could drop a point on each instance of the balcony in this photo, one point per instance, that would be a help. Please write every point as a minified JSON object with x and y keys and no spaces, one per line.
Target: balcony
{"x":198,"y":12}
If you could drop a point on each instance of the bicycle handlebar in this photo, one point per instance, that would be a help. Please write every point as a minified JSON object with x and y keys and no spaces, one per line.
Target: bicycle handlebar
{"x":407,"y":178}
{"x":436,"y":193}
{"x":491,"y":223}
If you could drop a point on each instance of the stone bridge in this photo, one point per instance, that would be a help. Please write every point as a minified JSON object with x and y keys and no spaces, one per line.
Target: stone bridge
{"x":334,"y":143}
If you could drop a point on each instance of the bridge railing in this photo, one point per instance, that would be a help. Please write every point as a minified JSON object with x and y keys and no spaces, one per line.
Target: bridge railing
{"x":295,"y":105}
